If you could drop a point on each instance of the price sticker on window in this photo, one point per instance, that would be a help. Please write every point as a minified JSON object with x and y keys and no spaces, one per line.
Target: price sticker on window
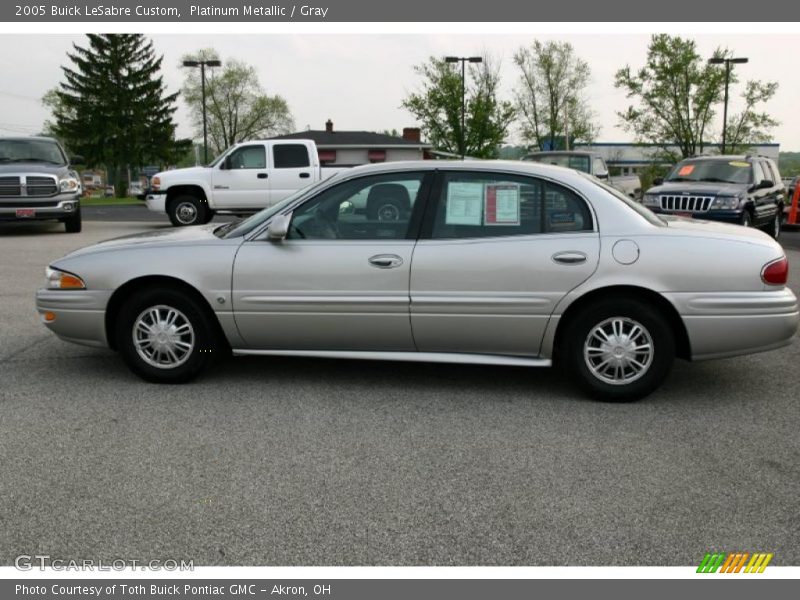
{"x":685,"y":170}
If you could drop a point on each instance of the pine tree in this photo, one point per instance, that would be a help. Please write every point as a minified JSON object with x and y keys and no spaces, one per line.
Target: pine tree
{"x":113,"y":107}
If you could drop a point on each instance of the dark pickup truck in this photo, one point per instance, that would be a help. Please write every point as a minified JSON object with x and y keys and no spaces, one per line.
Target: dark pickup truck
{"x":38,"y":183}
{"x":746,"y":190}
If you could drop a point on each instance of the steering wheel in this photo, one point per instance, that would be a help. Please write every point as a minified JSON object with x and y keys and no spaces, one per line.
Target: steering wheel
{"x":327,"y":226}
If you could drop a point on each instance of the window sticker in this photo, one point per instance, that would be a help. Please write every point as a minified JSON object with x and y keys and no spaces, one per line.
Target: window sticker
{"x":464,"y":203}
{"x":685,"y":170}
{"x":502,"y":204}
{"x":738,"y":163}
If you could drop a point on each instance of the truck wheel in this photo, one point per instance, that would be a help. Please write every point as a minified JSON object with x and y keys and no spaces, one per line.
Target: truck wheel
{"x":747,"y":220}
{"x":619,"y":350}
{"x":774,"y":228}
{"x":187,"y":210}
{"x":166,"y":336}
{"x":208,"y":217}
{"x":73,"y":223}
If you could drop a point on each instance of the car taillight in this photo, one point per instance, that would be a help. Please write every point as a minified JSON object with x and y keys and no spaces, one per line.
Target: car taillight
{"x":776,"y":272}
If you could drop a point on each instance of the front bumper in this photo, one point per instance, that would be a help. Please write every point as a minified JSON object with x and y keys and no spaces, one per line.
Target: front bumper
{"x":156,"y":202}
{"x":723,"y":216}
{"x":59,"y":208}
{"x":735,"y":323}
{"x":78,"y":315}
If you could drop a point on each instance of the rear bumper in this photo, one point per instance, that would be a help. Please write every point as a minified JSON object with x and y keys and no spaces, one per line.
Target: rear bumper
{"x":735,"y":323}
{"x":60,"y":210}
{"x":79,"y":314}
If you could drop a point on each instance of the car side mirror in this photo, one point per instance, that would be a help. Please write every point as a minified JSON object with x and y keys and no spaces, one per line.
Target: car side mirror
{"x":658,"y":181}
{"x":279,"y":228}
{"x":603,"y":175}
{"x":766,"y":183}
{"x":77,"y":160}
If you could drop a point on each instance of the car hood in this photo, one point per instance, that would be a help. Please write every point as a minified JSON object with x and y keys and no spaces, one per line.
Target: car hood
{"x":184,"y":174}
{"x":715,"y":229}
{"x":33,"y":167}
{"x":200,"y":235}
{"x":700,"y":188}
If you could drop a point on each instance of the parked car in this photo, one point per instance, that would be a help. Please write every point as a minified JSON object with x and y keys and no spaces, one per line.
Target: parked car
{"x":746,"y":190}
{"x":500,"y":263}
{"x":37,"y":182}
{"x":244,"y":179}
{"x":593,"y":164}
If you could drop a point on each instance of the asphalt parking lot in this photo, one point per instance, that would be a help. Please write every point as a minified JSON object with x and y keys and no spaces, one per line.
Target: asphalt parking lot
{"x":314,"y":462}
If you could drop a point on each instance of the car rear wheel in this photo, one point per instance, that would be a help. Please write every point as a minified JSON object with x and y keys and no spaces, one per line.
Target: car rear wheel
{"x":187,"y":210}
{"x":73,"y":223}
{"x":774,"y":228}
{"x":166,"y":336}
{"x":619,"y":350}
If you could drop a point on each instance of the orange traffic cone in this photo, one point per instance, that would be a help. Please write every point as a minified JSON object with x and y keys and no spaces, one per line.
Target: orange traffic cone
{"x":793,"y":217}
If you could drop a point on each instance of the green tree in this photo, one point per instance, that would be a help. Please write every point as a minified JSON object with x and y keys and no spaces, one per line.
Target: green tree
{"x":677,"y":92}
{"x":551,"y":95}
{"x":113,"y":108}
{"x":437,"y":107}
{"x":751,"y":126}
{"x":237,"y":107}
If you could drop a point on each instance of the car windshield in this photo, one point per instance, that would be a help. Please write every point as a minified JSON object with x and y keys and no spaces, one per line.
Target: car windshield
{"x":719,"y":171}
{"x":245,"y":226}
{"x":643,"y":211}
{"x":570,"y":161}
{"x":32,"y":150}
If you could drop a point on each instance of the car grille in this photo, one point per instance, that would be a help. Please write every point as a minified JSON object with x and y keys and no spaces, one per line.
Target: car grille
{"x":686,"y":203}
{"x":10,"y":186}
{"x":28,"y":186}
{"x":40,"y":186}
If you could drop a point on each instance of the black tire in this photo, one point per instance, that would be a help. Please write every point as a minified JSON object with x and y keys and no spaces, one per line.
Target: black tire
{"x":746,"y":220}
{"x":186,"y":210}
{"x":208,"y":217}
{"x":630,"y":312}
{"x":774,"y":227}
{"x":206,"y":340}
{"x":73,"y":223}
{"x":387,"y":210}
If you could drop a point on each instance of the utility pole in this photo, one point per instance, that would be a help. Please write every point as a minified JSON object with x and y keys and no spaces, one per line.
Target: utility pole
{"x":463,"y":60}
{"x":727,"y":62}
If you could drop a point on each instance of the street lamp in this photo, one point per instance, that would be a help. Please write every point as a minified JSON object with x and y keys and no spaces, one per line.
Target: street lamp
{"x":203,"y":64}
{"x":718,"y":60}
{"x":463,"y":60}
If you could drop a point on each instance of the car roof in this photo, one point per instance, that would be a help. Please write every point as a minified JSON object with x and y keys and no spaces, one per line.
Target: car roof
{"x":509,"y":166}
{"x":27,"y":138}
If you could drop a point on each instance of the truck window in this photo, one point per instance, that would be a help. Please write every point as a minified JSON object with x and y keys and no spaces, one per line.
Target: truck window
{"x":290,"y":156}
{"x":247,"y":157}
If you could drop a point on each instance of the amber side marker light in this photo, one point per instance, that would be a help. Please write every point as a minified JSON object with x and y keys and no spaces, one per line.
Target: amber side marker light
{"x":49,"y":317}
{"x":776,"y":272}
{"x":68,"y":281}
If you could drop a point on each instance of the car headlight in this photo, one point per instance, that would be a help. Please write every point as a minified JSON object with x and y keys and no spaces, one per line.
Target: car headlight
{"x":61,"y":280}
{"x":69,"y":184}
{"x":725,"y":203}
{"x":651,"y":200}
{"x":155,"y":183}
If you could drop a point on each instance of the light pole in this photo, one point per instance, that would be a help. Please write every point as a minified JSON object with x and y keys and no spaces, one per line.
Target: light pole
{"x":203,"y":64}
{"x":463,"y":60}
{"x":718,"y":60}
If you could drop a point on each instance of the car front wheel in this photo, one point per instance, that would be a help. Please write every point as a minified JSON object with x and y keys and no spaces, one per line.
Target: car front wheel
{"x":619,"y":350}
{"x":165,"y":336}
{"x":187,"y":210}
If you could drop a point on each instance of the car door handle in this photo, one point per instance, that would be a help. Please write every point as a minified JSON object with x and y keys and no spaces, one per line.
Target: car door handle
{"x":305,"y":175}
{"x":569,"y":258}
{"x":262,"y":175}
{"x":385,"y":261}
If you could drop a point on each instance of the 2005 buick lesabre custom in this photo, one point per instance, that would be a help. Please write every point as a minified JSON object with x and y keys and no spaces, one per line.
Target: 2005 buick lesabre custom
{"x":470,"y":262}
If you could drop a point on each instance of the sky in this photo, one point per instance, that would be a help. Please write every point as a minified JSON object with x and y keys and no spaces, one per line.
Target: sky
{"x":359,"y":81}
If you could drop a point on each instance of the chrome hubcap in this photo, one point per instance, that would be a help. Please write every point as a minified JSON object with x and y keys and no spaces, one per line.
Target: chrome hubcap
{"x":618,"y":351}
{"x":163,"y":337}
{"x":388,"y":212}
{"x":186,"y":213}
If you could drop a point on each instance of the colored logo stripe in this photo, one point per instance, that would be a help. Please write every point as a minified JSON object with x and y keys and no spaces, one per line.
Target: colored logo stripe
{"x":734,"y":561}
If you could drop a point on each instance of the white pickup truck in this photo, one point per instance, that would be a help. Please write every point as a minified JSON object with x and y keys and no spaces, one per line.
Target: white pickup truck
{"x":593,"y":164}
{"x":244,"y":179}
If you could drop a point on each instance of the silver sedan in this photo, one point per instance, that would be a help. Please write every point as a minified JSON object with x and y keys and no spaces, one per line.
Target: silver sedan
{"x":471,"y":262}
